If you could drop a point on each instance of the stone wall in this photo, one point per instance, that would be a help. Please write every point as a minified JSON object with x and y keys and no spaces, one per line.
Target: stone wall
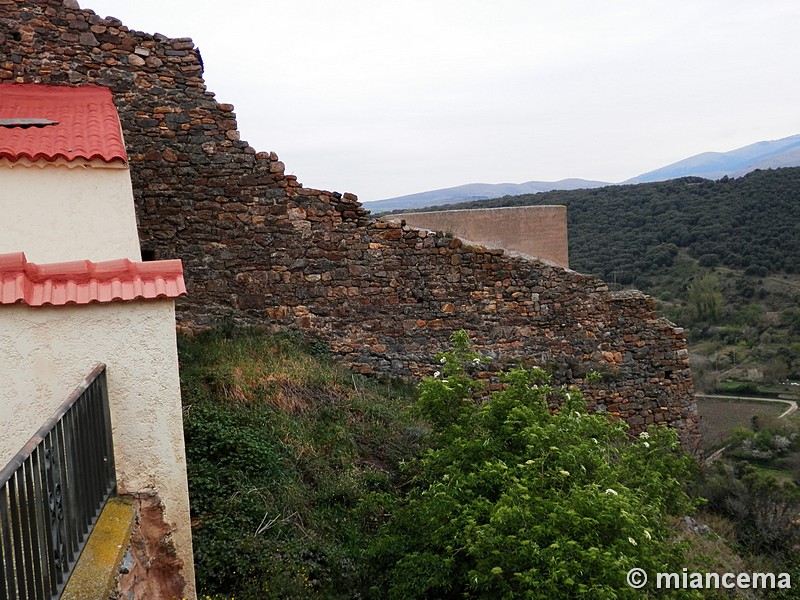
{"x":261,"y":249}
{"x":537,"y":231}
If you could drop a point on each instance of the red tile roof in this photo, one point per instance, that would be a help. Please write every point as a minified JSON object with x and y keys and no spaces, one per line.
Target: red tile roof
{"x":83,"y":281}
{"x":87,"y":123}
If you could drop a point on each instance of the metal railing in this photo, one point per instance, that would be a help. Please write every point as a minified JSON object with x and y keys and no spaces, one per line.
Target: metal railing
{"x":52,"y":492}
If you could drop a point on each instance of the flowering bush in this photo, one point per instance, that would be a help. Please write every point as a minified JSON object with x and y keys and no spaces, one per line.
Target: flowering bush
{"x":762,"y":442}
{"x":517,"y":499}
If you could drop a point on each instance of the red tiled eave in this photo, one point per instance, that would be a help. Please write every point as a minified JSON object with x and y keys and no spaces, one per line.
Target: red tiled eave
{"x":87,"y":125}
{"x":84,"y":281}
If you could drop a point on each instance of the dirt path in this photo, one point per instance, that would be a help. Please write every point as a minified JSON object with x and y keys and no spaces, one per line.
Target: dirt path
{"x":791,"y":408}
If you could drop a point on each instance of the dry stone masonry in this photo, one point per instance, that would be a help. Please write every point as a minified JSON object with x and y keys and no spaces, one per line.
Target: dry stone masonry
{"x":261,"y":249}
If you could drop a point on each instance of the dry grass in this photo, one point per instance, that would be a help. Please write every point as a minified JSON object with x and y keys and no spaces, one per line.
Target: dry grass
{"x":713,"y":552}
{"x":289,"y":455}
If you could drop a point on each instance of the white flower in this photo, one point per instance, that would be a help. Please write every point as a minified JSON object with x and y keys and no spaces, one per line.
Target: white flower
{"x":646,"y":444}
{"x":443,"y":360}
{"x":632,"y":541}
{"x":476,"y":361}
{"x":436,"y":375}
{"x":644,"y":436}
{"x":781,"y":442}
{"x":612,"y":492}
{"x":647,"y":535}
{"x":564,"y":473}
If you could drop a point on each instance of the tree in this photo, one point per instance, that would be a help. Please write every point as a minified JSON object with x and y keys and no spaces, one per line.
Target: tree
{"x":517,"y":498}
{"x":705,"y":298}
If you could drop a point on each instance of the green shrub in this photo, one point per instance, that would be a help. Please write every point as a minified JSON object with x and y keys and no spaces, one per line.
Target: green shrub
{"x":517,"y":498}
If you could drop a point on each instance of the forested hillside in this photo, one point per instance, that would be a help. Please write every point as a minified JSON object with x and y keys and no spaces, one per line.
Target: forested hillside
{"x":722,"y":257}
{"x":626,"y":231}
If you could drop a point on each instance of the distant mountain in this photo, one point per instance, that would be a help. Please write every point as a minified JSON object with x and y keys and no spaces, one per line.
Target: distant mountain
{"x":630,"y":233}
{"x":708,"y":165}
{"x":477,"y":191}
{"x":715,"y":165}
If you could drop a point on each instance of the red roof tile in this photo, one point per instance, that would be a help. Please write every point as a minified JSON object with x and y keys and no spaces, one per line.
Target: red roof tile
{"x":87,"y":125}
{"x":83,"y":281}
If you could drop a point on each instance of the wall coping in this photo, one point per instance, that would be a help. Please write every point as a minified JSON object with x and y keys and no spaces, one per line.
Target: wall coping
{"x":95,"y":574}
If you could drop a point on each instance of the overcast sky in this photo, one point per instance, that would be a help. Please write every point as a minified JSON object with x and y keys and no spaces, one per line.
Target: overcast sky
{"x":385,"y":98}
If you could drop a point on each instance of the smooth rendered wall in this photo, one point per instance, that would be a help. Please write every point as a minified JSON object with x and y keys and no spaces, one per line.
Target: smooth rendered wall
{"x":539,"y":231}
{"x":62,"y":214}
{"x":46,"y":353}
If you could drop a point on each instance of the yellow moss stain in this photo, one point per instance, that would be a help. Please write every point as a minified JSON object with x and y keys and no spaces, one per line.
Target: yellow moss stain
{"x":94,"y":577}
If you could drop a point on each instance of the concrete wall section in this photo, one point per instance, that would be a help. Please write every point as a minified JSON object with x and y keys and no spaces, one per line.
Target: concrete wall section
{"x":62,"y":214}
{"x":538,"y":231}
{"x":46,"y":353}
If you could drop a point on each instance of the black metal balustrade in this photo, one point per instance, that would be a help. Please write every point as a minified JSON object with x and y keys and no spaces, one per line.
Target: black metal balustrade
{"x":52,"y":492}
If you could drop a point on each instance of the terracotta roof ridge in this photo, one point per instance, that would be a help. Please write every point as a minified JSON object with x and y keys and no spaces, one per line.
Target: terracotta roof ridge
{"x":55,"y":155}
{"x":84,"y":281}
{"x":14,"y":261}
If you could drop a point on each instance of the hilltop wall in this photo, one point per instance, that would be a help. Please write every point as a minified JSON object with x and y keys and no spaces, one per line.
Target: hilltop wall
{"x":538,"y":231}
{"x":260,"y":248}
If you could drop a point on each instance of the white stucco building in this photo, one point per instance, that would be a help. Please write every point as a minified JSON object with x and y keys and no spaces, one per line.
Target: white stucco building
{"x":73,"y":292}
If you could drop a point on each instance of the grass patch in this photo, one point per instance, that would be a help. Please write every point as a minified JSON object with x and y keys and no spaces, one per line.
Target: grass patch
{"x":782,"y":475}
{"x":284,"y":450}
